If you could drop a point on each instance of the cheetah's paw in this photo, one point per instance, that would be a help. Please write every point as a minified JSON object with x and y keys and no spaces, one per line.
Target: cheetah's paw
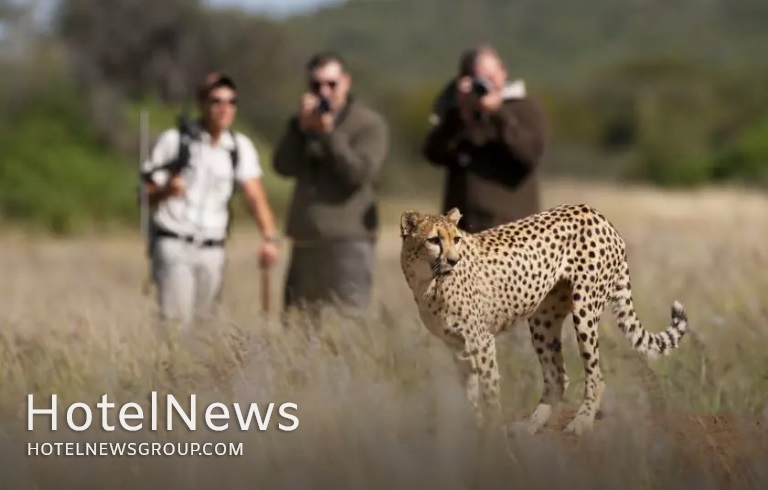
{"x":538,"y":418}
{"x":579,"y":425}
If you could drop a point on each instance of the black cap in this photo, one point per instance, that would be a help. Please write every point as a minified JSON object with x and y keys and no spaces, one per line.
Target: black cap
{"x":215,"y":80}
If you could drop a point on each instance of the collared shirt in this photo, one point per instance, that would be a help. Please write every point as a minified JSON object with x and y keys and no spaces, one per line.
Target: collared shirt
{"x":201,"y":211}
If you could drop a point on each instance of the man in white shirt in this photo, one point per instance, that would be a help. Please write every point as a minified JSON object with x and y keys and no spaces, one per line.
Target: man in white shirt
{"x":190,"y":203}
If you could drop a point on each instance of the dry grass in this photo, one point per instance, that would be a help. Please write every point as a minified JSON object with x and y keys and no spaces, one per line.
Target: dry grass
{"x":385,"y":411}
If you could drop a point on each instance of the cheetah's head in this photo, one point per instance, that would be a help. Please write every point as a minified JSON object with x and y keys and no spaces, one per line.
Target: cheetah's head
{"x":431,"y":244}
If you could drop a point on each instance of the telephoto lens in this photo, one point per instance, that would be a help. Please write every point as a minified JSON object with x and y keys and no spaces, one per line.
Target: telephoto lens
{"x":480,"y":86}
{"x":324,"y":105}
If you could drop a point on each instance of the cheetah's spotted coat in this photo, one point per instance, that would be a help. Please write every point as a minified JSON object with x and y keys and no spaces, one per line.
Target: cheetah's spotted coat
{"x":469,"y":288}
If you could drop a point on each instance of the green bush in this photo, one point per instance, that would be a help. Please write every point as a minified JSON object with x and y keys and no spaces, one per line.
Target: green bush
{"x":746,"y":156}
{"x":55,"y":174}
{"x":672,"y":122}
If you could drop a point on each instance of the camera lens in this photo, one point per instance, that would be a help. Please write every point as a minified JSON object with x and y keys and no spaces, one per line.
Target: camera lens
{"x":479,"y":87}
{"x":324,"y":106}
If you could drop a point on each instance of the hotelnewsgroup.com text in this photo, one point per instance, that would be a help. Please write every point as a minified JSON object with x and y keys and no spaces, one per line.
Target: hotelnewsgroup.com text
{"x":132,"y":417}
{"x":134,"y":449}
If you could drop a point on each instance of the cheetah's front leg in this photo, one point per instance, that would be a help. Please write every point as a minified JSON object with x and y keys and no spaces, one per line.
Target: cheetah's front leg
{"x":484,"y":380}
{"x":467,"y":369}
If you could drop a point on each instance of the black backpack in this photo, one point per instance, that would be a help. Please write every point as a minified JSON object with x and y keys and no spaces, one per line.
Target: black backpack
{"x":189,"y":130}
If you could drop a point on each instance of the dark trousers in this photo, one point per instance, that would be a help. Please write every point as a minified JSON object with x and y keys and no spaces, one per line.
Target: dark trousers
{"x":339,"y":273}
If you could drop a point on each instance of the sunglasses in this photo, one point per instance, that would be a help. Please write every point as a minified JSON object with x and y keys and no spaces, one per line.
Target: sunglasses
{"x":315,"y":85}
{"x":219,"y":101}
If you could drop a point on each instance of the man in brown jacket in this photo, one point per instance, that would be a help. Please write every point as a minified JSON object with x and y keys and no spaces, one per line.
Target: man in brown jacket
{"x":334,"y":147}
{"x":490,"y":136}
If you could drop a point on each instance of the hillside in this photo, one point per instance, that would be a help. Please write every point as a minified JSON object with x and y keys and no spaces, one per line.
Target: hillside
{"x":413,"y":40}
{"x":669,"y":92}
{"x":666,"y":92}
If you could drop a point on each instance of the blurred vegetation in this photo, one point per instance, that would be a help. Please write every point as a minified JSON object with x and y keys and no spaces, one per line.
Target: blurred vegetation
{"x":670,"y":93}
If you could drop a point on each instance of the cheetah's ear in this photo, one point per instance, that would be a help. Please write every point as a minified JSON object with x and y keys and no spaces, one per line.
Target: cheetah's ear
{"x":454,"y":215}
{"x":408,"y":221}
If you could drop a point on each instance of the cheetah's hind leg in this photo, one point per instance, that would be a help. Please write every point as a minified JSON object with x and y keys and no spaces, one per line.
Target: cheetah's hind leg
{"x":587,"y":309}
{"x":546,"y":326}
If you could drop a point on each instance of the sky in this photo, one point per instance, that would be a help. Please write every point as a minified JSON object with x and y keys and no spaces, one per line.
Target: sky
{"x":275,"y":8}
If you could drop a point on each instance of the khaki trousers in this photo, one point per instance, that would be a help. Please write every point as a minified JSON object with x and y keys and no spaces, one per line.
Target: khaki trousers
{"x":188,"y":279}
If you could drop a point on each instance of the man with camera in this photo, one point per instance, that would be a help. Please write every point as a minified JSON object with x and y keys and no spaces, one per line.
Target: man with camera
{"x":189,"y":179}
{"x":334,"y":148}
{"x":490,"y":136}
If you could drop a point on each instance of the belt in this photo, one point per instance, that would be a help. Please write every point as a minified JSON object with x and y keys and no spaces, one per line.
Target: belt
{"x":163,"y":233}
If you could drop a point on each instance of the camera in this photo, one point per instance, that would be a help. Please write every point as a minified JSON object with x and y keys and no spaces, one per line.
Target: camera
{"x":480,"y":86}
{"x":324,"y":106}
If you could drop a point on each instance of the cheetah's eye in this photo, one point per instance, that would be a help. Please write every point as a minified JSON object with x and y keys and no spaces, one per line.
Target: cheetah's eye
{"x":435,"y":240}
{"x":456,"y":239}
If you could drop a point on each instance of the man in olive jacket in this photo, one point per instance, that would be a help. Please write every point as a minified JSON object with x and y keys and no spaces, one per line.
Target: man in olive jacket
{"x":335,"y":148}
{"x":490,"y":136}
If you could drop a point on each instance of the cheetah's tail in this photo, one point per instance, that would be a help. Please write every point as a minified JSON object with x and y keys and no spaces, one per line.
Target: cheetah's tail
{"x":647,"y":343}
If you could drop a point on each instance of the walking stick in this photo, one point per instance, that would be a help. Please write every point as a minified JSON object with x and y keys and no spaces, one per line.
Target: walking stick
{"x":265,"y":287}
{"x":144,"y":204}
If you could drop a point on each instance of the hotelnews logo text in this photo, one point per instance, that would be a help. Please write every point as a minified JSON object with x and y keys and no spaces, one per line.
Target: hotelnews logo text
{"x":132,"y":417}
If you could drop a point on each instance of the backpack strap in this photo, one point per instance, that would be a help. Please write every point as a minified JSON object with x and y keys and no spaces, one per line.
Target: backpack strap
{"x":185,"y":137}
{"x":182,"y":156}
{"x":234,"y":154}
{"x":188,"y":131}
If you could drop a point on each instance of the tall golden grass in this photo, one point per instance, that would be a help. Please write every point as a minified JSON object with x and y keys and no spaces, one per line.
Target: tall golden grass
{"x":378,"y":402}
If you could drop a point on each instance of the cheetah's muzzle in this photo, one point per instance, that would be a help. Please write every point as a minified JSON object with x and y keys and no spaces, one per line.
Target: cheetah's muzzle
{"x":438,"y":269}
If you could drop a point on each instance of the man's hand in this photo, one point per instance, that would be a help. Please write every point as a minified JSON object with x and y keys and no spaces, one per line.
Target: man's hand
{"x":466,"y":101}
{"x":268,"y":253}
{"x":157,"y":193}
{"x":326,"y":123}
{"x":176,"y":186}
{"x":308,"y":112}
{"x":310,"y":119}
{"x":319,"y":123}
{"x":260,"y":210}
{"x":491,"y":102}
{"x":469,"y":103}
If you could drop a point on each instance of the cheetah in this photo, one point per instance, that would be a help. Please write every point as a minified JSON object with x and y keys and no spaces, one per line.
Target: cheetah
{"x":471,"y":287}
